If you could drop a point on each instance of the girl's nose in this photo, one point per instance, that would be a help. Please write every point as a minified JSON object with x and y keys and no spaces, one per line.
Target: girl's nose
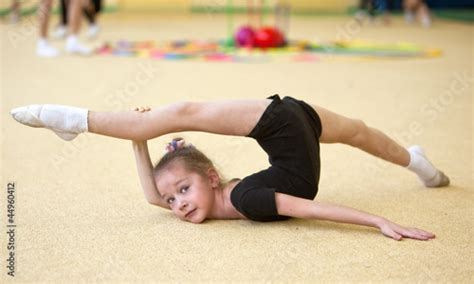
{"x":183,"y":205}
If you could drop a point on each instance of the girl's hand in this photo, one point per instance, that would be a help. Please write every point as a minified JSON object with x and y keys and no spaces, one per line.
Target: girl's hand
{"x":141,"y":109}
{"x":397,"y":232}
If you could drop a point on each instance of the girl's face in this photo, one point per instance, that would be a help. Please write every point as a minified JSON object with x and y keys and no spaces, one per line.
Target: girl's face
{"x":189,"y":195}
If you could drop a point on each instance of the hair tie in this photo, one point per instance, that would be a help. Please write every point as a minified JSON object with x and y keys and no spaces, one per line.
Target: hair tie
{"x":174,"y":144}
{"x":177,"y":144}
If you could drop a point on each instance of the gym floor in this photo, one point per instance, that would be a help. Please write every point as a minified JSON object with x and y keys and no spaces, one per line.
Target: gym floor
{"x":80,"y":212}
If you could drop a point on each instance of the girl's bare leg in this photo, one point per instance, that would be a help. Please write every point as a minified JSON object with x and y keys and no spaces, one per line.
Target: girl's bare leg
{"x":339,"y":129}
{"x":227,"y":117}
{"x":354,"y":132}
{"x":222,"y":117}
{"x":133,"y":125}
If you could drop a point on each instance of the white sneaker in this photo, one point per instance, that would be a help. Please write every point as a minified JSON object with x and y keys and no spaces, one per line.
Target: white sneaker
{"x":73,"y":46}
{"x":93,"y":31}
{"x":43,"y":49}
{"x":60,"y":32}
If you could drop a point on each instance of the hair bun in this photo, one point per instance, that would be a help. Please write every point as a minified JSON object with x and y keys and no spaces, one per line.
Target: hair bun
{"x":176,"y":144}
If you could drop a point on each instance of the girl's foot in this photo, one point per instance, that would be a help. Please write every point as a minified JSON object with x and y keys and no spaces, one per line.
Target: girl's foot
{"x":427,"y":173}
{"x":66,"y":122}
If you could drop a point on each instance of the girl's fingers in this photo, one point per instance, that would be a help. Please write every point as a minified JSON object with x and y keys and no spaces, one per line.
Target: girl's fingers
{"x":394,"y":235}
{"x":141,"y":109}
{"x":426,"y":234}
{"x":397,"y":232}
{"x":413,"y":235}
{"x":418,"y":234}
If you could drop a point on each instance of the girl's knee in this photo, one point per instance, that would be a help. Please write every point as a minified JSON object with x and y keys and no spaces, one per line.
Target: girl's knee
{"x":359,"y":133}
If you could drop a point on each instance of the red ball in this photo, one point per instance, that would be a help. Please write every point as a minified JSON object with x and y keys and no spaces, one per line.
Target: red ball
{"x":278,"y":38}
{"x":269,"y":37}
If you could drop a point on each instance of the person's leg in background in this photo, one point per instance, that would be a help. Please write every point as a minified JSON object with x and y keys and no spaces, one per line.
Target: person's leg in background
{"x":423,"y":14}
{"x":61,"y":29}
{"x":43,"y":48}
{"x":385,"y":7}
{"x":90,"y":12}
{"x":15,"y":12}
{"x":409,"y":10}
{"x":73,"y":45}
{"x":417,"y":9}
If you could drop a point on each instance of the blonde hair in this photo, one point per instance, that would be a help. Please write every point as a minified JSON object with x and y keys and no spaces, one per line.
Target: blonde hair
{"x":190,"y":157}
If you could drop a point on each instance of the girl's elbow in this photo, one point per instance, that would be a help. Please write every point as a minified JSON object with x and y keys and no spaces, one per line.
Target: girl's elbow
{"x":158,"y":203}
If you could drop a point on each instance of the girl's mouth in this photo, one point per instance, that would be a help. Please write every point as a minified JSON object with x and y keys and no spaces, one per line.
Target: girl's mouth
{"x":190,"y":213}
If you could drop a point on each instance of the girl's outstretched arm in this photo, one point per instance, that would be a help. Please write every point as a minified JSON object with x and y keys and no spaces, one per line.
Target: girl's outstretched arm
{"x":145,"y":168}
{"x":145,"y":173}
{"x":288,"y":205}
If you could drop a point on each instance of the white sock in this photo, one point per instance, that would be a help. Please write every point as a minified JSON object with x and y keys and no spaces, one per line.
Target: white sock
{"x":67,"y":122}
{"x":427,"y":173}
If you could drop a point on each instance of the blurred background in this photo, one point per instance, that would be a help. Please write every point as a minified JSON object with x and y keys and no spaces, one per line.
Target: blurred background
{"x":441,"y":7}
{"x":405,"y":68}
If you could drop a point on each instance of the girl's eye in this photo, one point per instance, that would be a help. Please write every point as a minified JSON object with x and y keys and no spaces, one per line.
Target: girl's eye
{"x":184,"y":189}
{"x":170,"y":200}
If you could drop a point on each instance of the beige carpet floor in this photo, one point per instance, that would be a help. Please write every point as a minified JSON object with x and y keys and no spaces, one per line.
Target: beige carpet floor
{"x":80,"y":212}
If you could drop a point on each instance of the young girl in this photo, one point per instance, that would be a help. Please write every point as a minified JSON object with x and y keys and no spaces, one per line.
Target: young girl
{"x":289,"y":130}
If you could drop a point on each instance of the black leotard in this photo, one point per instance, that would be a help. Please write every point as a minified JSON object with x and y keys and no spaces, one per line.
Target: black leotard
{"x":289,"y":132}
